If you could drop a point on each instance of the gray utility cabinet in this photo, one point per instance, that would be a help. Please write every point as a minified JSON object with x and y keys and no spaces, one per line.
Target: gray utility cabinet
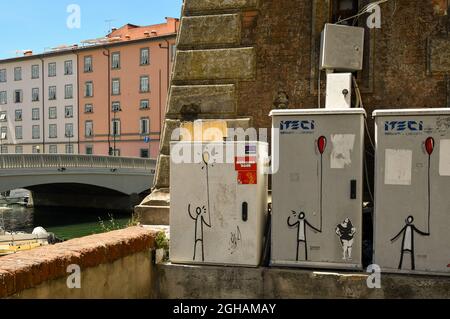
{"x":342,"y":48}
{"x":412,"y":190}
{"x":219,"y":202}
{"x":317,"y":188}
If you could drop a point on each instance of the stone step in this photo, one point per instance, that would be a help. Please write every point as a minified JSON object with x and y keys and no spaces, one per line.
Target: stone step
{"x":159,"y":197}
{"x":152,"y":215}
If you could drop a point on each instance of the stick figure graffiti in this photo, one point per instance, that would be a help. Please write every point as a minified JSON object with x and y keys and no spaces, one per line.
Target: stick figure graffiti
{"x":200,"y":222}
{"x":202,"y":216}
{"x":409,"y":229}
{"x":301,"y":224}
{"x":408,"y":241}
{"x":346,"y":233}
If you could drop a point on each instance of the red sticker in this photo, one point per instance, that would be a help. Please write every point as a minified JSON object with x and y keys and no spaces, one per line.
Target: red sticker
{"x":247,"y":178}
{"x":246,"y":164}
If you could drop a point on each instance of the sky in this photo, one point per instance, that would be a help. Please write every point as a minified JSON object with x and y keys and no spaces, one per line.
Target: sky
{"x":39,"y":25}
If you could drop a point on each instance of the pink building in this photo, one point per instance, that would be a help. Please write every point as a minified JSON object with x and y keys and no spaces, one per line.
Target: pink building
{"x":123,"y":83}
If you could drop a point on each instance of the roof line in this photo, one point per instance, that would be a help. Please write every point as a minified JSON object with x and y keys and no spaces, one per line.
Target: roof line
{"x":86,"y":48}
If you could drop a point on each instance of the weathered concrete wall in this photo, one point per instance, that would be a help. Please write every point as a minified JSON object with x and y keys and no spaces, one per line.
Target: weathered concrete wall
{"x":200,"y":282}
{"x":113,"y":265}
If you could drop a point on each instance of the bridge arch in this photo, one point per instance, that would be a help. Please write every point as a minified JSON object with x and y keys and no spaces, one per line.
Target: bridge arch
{"x":85,"y":176}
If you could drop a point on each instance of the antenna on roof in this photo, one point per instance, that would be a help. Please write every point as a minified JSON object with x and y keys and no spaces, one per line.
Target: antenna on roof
{"x":109,"y":24}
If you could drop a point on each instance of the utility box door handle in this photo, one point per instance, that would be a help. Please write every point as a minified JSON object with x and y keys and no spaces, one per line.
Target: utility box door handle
{"x":353,"y":189}
{"x":245,"y":211}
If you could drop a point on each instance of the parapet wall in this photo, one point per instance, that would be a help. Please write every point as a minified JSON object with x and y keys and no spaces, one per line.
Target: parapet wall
{"x":118,"y":265}
{"x":113,"y":265}
{"x":200,"y":282}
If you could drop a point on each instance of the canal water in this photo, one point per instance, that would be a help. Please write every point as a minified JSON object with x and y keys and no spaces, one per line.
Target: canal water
{"x":65,"y":223}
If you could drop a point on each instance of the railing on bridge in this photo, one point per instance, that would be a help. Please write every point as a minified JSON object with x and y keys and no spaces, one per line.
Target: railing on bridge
{"x":23,"y":161}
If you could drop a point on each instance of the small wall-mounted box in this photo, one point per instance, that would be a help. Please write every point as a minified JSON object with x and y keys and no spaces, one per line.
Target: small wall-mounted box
{"x":342,"y":48}
{"x":339,"y":91}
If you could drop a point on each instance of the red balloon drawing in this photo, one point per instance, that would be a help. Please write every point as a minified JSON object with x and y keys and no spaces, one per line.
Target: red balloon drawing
{"x":322,"y":144}
{"x":429,"y":145}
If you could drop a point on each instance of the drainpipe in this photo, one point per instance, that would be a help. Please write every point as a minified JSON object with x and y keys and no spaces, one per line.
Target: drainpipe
{"x":168,"y":60}
{"x":168,"y":84}
{"x":43,"y":104}
{"x":160,"y":105}
{"x":78,"y":98}
{"x":107,"y":54}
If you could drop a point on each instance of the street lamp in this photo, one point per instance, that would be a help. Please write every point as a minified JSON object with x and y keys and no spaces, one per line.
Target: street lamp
{"x":69,"y":135}
{"x":114,"y":131}
{"x":1,"y":142}
{"x":115,"y":109}
{"x":3,"y":134}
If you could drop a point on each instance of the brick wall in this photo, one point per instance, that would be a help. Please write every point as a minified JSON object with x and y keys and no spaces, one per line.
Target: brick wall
{"x":113,"y":265}
{"x":410,"y":57}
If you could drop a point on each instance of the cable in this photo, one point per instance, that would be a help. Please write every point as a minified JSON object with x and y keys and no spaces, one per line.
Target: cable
{"x":369,"y":187}
{"x":321,"y":192}
{"x":360,"y":103}
{"x":319,"y":88}
{"x":366,"y":127}
{"x":372,"y":144}
{"x":207,"y":186}
{"x":370,"y":154}
{"x":206,"y":162}
{"x":429,"y":194}
{"x":366,"y":9}
{"x":358,"y":96}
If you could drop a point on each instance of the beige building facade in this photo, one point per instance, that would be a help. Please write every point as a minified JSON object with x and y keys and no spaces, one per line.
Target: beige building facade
{"x":38,"y":104}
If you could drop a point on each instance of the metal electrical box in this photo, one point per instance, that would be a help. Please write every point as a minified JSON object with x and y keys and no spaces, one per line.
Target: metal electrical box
{"x":317,"y":188}
{"x":412,"y":184}
{"x":339,"y":91}
{"x":342,"y":48}
{"x":219,"y":201}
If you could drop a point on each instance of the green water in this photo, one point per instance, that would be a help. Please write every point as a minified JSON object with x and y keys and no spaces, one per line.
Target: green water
{"x":65,"y":223}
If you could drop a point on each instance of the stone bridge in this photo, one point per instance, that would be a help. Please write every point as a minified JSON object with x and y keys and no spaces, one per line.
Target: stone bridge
{"x":78,"y":180}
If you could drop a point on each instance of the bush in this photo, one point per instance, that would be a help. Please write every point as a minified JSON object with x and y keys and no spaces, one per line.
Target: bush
{"x":161,"y":241}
